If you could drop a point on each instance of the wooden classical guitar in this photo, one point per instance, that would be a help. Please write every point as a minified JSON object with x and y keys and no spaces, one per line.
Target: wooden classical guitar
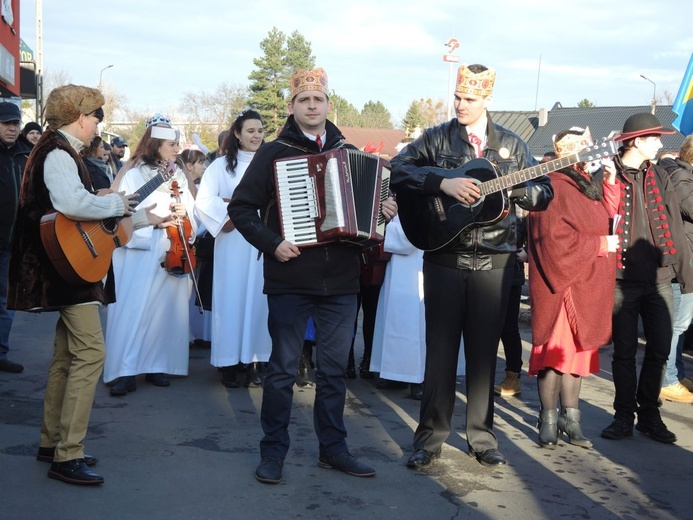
{"x":81,"y":250}
{"x":432,"y":222}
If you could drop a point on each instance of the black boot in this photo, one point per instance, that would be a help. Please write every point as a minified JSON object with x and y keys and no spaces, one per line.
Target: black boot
{"x":365,"y":367}
{"x":569,"y":423}
{"x":304,"y":377}
{"x":351,"y":364}
{"x":229,"y":377}
{"x":548,"y":428}
{"x":252,"y":376}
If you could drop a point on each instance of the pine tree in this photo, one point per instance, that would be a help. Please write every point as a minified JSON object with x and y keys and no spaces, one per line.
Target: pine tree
{"x":344,"y":113}
{"x":375,"y":115}
{"x":413,"y":119}
{"x":269,"y":83}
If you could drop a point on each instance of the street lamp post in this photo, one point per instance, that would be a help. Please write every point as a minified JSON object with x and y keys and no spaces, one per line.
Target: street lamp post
{"x":451,"y":58}
{"x":101,"y":74}
{"x":654,"y":92}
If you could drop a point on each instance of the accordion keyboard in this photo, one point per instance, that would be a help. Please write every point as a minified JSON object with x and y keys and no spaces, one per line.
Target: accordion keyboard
{"x":296,"y":186}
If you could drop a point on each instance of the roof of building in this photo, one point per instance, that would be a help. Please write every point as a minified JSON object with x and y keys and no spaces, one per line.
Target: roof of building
{"x":602,"y":121}
{"x":362,"y":137}
{"x":523,"y":124}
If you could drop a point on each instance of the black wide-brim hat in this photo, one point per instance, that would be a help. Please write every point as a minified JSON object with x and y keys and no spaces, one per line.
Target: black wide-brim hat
{"x":638,"y":125}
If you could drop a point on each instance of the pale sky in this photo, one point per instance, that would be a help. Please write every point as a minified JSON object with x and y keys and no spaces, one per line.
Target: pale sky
{"x":380,"y":50}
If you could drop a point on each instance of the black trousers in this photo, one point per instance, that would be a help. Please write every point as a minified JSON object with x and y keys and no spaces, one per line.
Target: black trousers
{"x":655,"y":304}
{"x":334,"y":324}
{"x":510,"y":335}
{"x":470,"y":304}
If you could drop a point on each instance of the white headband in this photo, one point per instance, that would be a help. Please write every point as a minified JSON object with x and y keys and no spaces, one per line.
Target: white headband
{"x":161,"y":132}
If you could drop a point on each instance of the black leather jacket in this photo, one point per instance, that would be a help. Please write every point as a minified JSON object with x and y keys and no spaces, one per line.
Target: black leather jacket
{"x":447,"y":146}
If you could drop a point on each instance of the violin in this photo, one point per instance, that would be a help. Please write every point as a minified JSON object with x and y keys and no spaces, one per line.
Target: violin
{"x":180,"y":258}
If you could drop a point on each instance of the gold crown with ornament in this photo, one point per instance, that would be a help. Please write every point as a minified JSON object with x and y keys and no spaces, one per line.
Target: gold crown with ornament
{"x":302,"y":80}
{"x":476,"y":83}
{"x":575,"y":140}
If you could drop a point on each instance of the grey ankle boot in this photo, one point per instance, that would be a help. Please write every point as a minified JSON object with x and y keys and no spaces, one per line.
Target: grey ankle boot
{"x":569,"y":423}
{"x":548,"y":428}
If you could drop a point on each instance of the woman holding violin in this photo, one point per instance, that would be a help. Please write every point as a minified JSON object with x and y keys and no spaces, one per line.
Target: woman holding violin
{"x":148,"y":327}
{"x":239,"y":309}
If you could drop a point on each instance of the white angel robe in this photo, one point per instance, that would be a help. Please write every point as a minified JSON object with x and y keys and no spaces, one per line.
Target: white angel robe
{"x":399,"y":338}
{"x":147,"y":329}
{"x":239,"y":308}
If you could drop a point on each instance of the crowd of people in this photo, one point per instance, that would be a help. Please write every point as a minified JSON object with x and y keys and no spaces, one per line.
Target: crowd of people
{"x":607,"y":243}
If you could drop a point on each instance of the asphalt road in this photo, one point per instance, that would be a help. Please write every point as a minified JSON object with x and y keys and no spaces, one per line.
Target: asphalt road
{"x":189,"y":452}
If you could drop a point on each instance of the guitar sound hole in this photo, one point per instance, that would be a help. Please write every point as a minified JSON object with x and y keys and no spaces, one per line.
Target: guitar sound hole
{"x":109,"y":225}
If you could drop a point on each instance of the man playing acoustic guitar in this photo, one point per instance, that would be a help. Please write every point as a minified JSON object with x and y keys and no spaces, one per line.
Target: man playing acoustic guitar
{"x":56,"y":179}
{"x":467,"y":278}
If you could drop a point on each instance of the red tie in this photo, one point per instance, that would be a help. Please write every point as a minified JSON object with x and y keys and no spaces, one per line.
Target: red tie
{"x":318,"y":141}
{"x":476,"y":142}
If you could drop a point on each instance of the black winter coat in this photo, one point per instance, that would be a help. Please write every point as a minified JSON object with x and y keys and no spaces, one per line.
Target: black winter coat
{"x":327,"y":270}
{"x":12,"y":162}
{"x":681,"y":175}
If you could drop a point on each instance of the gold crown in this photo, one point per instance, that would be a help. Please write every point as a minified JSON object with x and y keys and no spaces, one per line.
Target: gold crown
{"x":578,"y":139}
{"x":302,"y":80}
{"x":478,"y":84}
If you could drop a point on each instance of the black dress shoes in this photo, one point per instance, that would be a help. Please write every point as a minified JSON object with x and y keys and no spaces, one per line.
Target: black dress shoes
{"x":157,"y":379}
{"x":47,"y":454}
{"x":416,"y":391}
{"x":422,"y":458}
{"x":347,"y":463}
{"x":252,"y":375}
{"x":618,"y":429}
{"x":124,"y":385}
{"x":270,"y":470}
{"x":74,"y":471}
{"x":10,"y":366}
{"x":229,"y":377}
{"x":490,"y":457}
{"x":656,"y":429}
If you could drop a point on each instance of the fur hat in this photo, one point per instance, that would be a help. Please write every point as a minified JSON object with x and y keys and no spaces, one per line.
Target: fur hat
{"x":302,"y":80}
{"x":66,"y":103}
{"x":642,"y":124}
{"x":476,"y":83}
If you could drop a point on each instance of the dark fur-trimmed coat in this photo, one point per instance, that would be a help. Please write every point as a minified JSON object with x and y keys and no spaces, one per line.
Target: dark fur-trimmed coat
{"x":34,"y":284}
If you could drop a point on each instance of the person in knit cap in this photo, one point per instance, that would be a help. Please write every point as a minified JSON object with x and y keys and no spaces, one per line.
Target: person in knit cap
{"x":467,"y":279}
{"x":320,"y":281}
{"x":652,"y":252}
{"x":32,"y":132}
{"x":56,"y":179}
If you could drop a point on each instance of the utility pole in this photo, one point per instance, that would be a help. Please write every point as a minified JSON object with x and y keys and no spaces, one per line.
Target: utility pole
{"x":39,"y":62}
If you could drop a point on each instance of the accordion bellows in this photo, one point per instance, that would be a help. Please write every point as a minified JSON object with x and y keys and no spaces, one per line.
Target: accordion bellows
{"x":333,"y":196}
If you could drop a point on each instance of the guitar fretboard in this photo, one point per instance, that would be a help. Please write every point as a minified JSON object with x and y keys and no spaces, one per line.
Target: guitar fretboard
{"x":144,"y":191}
{"x":513,"y":179}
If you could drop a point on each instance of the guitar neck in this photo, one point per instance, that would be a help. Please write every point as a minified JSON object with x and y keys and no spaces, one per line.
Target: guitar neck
{"x":144,"y":191}
{"x":513,"y":179}
{"x":150,"y":186}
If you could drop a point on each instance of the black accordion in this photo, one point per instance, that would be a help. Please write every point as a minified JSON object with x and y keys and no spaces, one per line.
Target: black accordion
{"x":333,"y":196}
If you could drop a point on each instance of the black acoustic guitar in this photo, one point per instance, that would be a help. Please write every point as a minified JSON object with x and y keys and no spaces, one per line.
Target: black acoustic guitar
{"x":432,"y":222}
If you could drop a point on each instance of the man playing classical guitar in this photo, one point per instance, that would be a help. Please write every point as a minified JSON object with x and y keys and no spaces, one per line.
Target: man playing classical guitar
{"x":56,"y":179}
{"x":467,"y":279}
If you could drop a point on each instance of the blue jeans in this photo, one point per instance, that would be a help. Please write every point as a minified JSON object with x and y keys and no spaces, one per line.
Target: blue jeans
{"x":683,"y":314}
{"x":6,"y":316}
{"x":334,"y":318}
